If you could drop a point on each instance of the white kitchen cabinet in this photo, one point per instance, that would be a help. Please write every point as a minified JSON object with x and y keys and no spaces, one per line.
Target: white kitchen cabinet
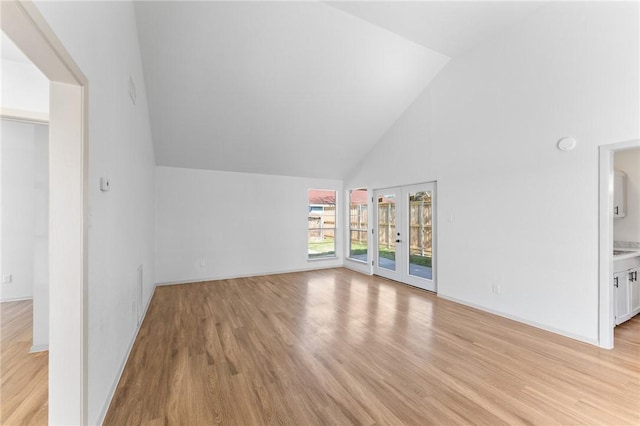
{"x":619,"y":195}
{"x":626,"y":288}
{"x":634,"y":291}
{"x":621,"y":296}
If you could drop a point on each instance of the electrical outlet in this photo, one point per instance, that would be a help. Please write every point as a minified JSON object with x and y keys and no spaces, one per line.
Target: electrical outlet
{"x":7,"y":279}
{"x":495,"y":288}
{"x":203,"y":263}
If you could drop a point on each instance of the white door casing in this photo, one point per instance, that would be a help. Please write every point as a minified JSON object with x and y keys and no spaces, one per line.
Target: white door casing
{"x":404,"y":230}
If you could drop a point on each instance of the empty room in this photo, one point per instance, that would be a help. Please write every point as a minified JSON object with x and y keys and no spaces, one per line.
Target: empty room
{"x":310,"y":212}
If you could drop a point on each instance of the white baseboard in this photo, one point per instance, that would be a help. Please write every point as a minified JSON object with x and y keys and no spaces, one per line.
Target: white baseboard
{"x":525,"y":321}
{"x":114,"y":385}
{"x":38,"y":348}
{"x":16,"y":299}
{"x":362,"y":267}
{"x":256,"y":274}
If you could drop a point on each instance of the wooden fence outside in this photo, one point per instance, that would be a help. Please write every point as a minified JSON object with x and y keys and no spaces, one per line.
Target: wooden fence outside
{"x":420,"y":227}
{"x":358,"y":223}
{"x":322,"y":225}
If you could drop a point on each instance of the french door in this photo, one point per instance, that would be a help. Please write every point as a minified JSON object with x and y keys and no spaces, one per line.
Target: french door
{"x":404,"y":234}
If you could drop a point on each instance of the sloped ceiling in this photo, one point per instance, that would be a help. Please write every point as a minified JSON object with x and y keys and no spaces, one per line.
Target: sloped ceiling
{"x":291,"y":88}
{"x":449,"y":27}
{"x":297,"y":89}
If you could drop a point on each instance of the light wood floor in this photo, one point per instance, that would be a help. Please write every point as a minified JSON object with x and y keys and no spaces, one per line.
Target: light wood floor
{"x":23,"y":376}
{"x":338,"y":347}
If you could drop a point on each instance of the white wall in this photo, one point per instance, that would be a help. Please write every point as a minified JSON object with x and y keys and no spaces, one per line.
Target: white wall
{"x":23,"y":87}
{"x":239,"y":224}
{"x":627,"y":229}
{"x":18,"y":214}
{"x":102,"y":39}
{"x":25,"y":213}
{"x":525,"y":213}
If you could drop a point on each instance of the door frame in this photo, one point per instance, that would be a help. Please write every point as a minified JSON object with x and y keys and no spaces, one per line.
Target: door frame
{"x":606,"y":309}
{"x":401,"y":273}
{"x":414,"y":280}
{"x":23,"y":23}
{"x":395,"y":274}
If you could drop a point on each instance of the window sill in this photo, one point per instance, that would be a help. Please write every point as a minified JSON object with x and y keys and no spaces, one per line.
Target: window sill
{"x":315,"y":259}
{"x":364,"y":262}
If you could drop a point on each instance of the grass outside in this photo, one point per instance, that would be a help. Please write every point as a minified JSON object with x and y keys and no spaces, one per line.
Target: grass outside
{"x":388,"y":253}
{"x":358,"y":248}
{"x":416,"y":259}
{"x":326,"y":247}
{"x":322,"y":248}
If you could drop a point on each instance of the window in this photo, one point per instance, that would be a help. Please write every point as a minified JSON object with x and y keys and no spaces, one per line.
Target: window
{"x":358,"y":224}
{"x":322,"y":223}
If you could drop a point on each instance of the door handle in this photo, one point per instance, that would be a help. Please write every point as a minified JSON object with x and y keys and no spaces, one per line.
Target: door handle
{"x":397,"y":241}
{"x":615,"y":210}
{"x":615,"y":281}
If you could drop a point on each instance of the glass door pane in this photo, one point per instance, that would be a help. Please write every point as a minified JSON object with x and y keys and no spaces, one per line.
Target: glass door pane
{"x":358,"y":224}
{"x":420,"y":234}
{"x":405,"y":222}
{"x":387,"y":231}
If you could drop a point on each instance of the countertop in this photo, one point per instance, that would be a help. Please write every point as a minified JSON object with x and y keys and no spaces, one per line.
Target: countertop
{"x":633,"y":253}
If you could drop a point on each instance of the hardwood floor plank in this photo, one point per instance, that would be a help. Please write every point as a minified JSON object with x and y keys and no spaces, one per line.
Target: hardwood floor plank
{"x":23,"y":376}
{"x":337,"y":347}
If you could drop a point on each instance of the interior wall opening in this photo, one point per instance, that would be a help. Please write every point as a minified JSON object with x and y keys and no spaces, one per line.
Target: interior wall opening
{"x":610,"y":211}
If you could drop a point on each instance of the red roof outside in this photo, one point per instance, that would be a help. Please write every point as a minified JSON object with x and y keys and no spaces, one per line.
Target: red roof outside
{"x":320,"y":196}
{"x":358,"y":196}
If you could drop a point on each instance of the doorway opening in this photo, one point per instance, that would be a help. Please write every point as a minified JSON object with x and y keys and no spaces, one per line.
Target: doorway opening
{"x":24,"y":205}
{"x":404,"y":231}
{"x":23,"y":23}
{"x":606,"y":320}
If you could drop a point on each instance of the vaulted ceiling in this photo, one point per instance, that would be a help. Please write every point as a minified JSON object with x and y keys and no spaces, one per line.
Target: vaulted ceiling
{"x":295,"y":88}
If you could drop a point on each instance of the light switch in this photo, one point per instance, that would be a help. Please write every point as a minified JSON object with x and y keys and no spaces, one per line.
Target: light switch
{"x":105,"y":184}
{"x":7,"y":279}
